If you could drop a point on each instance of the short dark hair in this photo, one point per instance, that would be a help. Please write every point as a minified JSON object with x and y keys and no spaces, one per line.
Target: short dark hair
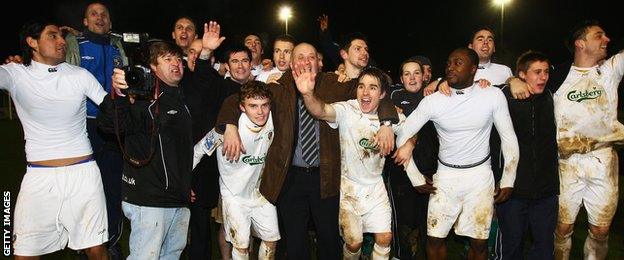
{"x":526,"y":59}
{"x":409,"y":60}
{"x":285,"y":38}
{"x":349,"y":38}
{"x":423,"y":59}
{"x":187,"y":18}
{"x":472,"y":54}
{"x":384,"y":79}
{"x":254,"y":89}
{"x":86,"y":7}
{"x":32,"y":29}
{"x":578,"y":32}
{"x":482,"y":28}
{"x":162,"y":48}
{"x":234,"y":49}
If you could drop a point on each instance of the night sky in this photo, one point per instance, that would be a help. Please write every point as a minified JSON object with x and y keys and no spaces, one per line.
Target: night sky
{"x":396,"y":29}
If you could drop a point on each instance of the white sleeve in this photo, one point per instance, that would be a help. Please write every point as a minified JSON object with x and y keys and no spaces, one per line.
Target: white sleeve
{"x":93,"y":89}
{"x":509,"y":142}
{"x":206,"y":145}
{"x":414,"y":122}
{"x":341,"y":113}
{"x":6,"y":81}
{"x":616,"y":63}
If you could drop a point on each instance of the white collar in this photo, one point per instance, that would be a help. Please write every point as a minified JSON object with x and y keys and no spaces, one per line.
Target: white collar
{"x":39,"y":67}
{"x":485,"y":65}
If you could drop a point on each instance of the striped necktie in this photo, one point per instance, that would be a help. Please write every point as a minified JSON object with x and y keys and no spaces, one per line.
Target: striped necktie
{"x":309,"y":146}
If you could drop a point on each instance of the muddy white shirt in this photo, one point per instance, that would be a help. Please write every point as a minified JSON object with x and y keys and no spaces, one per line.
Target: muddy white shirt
{"x":51,"y":102}
{"x":241,"y":179}
{"x":586,"y":107}
{"x":360,"y":161}
{"x":464,"y":122}
{"x":495,"y":73}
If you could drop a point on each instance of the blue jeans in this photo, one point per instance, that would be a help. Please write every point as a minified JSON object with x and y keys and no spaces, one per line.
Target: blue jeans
{"x":156,"y":233}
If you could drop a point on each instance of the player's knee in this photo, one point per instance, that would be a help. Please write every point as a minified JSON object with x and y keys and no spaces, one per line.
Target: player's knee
{"x":383,"y":239}
{"x":242,"y":251}
{"x":270,"y":244}
{"x":564,"y":230}
{"x":96,"y":252}
{"x":353,"y":247}
{"x":599,"y":232}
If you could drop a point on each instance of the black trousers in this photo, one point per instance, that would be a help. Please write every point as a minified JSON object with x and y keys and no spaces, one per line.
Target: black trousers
{"x":299,"y":200}
{"x":199,"y":228}
{"x":516,"y":216}
{"x":110,"y":161}
{"x":409,"y":216}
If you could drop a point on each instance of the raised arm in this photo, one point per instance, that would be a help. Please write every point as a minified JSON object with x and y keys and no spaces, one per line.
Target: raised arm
{"x":305,"y":80}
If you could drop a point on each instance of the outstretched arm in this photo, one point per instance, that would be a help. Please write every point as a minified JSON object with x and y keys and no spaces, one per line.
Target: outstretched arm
{"x":305,"y":80}
{"x":211,"y":40}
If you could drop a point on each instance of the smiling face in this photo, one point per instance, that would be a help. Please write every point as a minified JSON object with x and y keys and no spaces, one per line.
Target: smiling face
{"x":193,"y":52}
{"x":50,"y":48}
{"x":239,"y":66}
{"x":536,"y":76}
{"x":184,"y":32}
{"x":594,"y":44}
{"x":97,"y":19}
{"x":412,"y":77}
{"x":369,"y":93}
{"x":306,"y":54}
{"x":257,"y":109}
{"x":483,"y":44}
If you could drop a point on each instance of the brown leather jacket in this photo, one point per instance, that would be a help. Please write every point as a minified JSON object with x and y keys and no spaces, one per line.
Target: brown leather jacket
{"x":284,"y":109}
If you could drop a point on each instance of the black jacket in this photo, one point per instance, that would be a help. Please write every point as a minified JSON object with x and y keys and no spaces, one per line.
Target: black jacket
{"x":534,"y":123}
{"x":165,"y":180}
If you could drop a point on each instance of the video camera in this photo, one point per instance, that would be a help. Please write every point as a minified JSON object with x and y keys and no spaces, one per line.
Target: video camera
{"x":139,"y":76}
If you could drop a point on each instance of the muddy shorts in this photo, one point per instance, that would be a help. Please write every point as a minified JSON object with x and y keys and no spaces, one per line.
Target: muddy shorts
{"x":465,"y":199}
{"x":363,"y":209}
{"x":590,"y":180}
{"x":239,"y":218}
{"x":59,"y":206}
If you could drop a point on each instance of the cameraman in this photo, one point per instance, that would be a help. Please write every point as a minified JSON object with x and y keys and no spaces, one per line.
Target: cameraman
{"x":157,"y":132}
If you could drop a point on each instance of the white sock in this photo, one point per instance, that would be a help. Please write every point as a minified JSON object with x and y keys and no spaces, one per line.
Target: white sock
{"x":563,"y":244}
{"x":380,"y":252}
{"x":348,"y":255}
{"x":238,"y":255}
{"x":265,"y":252}
{"x":595,"y":248}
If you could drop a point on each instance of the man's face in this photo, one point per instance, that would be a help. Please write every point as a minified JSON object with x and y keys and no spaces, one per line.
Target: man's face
{"x":168,"y":69}
{"x":459,"y":69}
{"x":254,"y":44}
{"x":357,"y":55}
{"x":426,"y":73}
{"x":193,"y":52}
{"x":483,"y":44}
{"x":412,"y":77}
{"x":536,"y":76}
{"x":97,"y":19}
{"x":257,"y":109}
{"x":595,"y":43}
{"x":369,"y":94}
{"x":184,"y":32}
{"x":239,"y":66}
{"x":50,"y":47}
{"x":306,"y":54}
{"x":281,"y":54}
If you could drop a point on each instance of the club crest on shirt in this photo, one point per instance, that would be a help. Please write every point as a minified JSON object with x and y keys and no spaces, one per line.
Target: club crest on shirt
{"x":253,"y":160}
{"x":578,"y":96}
{"x":367,"y":144}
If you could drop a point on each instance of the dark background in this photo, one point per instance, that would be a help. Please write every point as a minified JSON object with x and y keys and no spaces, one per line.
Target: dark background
{"x":396,"y":29}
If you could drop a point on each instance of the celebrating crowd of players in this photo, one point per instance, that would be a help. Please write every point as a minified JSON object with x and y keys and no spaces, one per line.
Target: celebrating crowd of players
{"x":271,"y":152}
